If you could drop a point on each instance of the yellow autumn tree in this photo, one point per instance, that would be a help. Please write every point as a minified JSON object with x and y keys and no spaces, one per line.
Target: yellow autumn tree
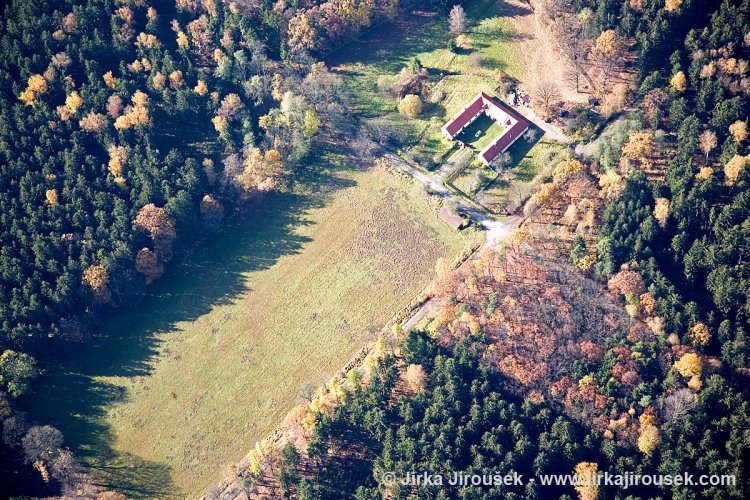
{"x":639,"y":146}
{"x":261,"y":172}
{"x":700,"y":334}
{"x":612,"y":184}
{"x":695,"y":384}
{"x":73,"y":102}
{"x":109,"y":79}
{"x":265,"y":453}
{"x":175,"y":78}
{"x":182,"y":40}
{"x":587,"y":483}
{"x":277,"y":88}
{"x":565,"y":169}
{"x":42,"y":468}
{"x":585,"y":262}
{"x":648,"y":439}
{"x":672,"y":5}
{"x":37,"y":85}
{"x":118,"y":155}
{"x":608,"y":43}
{"x":410,"y":106}
{"x":661,"y":211}
{"x":201,"y":88}
{"x":138,"y":113}
{"x":679,"y":82}
{"x":739,"y":131}
{"x":544,"y":194}
{"x":689,"y":365}
{"x":52,"y":197}
{"x":220,"y":124}
{"x":733,"y":168}
{"x":147,"y":41}
{"x":311,"y":123}
{"x":704,"y":173}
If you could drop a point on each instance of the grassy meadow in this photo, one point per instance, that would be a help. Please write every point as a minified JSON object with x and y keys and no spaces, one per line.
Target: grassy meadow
{"x":455,"y":76}
{"x":529,"y":164}
{"x":184,"y":382}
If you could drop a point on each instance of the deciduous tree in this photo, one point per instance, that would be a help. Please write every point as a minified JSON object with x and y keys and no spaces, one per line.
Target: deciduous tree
{"x":148,"y":264}
{"x":689,"y":365}
{"x":410,"y":106}
{"x":97,"y":278}
{"x":457,"y":20}
{"x":707,"y":142}
{"x":738,"y":130}
{"x":17,"y":370}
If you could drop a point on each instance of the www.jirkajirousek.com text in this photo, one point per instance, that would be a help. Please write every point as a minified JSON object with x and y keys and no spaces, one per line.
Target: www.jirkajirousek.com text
{"x":623,"y":481}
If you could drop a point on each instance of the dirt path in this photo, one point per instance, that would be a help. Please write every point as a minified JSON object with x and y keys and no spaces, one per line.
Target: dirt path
{"x":497,"y":229}
{"x":540,"y":51}
{"x":552,"y":131}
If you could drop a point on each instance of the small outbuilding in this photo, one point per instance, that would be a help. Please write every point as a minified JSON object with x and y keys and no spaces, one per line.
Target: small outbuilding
{"x":452,"y":217}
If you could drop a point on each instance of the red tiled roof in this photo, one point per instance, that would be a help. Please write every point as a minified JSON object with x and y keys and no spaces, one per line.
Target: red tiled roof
{"x":451,"y":217}
{"x":515,"y":122}
{"x":500,"y":104}
{"x":503,"y":142}
{"x":469,"y":112}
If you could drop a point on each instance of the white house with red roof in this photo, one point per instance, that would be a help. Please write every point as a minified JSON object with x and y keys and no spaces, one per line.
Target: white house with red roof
{"x":512,"y":123}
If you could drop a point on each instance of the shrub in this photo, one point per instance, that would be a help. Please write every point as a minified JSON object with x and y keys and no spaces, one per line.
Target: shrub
{"x":410,"y":106}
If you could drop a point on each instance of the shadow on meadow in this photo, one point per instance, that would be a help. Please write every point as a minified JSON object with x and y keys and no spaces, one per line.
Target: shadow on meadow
{"x":394,"y":44}
{"x":72,"y":397}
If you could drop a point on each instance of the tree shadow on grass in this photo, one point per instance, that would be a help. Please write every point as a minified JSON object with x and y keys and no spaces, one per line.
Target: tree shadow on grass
{"x":521,"y":148}
{"x":394,"y":44}
{"x":73,"y":394}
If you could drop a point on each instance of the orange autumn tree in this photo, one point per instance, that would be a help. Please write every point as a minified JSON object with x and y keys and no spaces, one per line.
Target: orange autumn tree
{"x":148,"y":264}
{"x":626,"y":283}
{"x":211,"y":210}
{"x":160,"y":227}
{"x":587,"y":485}
{"x":416,"y":377}
{"x":97,"y":278}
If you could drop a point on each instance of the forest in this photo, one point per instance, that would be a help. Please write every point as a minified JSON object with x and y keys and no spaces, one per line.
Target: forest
{"x":610,"y":335}
{"x":128,"y":131}
{"x":102,"y":177}
{"x":440,"y":410}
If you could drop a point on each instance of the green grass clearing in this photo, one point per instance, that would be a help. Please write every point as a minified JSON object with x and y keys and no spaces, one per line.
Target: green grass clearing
{"x":480,"y":133}
{"x":183,"y":383}
{"x":531,"y":162}
{"x":474,"y":178}
{"x":455,"y":77}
